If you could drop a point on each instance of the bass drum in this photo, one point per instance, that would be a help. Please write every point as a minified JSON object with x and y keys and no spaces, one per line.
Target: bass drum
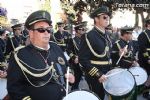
{"x":81,"y":95}
{"x":140,"y":77}
{"x":3,"y":88}
{"x":120,"y":86}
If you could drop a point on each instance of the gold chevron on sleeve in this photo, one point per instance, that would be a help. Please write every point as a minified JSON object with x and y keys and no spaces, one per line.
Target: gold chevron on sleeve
{"x":93,"y":71}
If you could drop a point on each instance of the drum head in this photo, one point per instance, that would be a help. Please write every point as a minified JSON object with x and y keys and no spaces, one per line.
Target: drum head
{"x":3,"y":90}
{"x":81,"y":95}
{"x":139,"y":74}
{"x":119,"y":84}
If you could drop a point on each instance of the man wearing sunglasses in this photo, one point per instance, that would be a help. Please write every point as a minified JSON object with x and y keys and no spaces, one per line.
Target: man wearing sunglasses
{"x":94,"y":52}
{"x":32,"y":71}
{"x":61,"y":37}
{"x":73,"y":50}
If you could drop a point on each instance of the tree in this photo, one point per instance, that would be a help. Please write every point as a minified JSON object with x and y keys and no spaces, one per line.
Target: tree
{"x":137,"y":6}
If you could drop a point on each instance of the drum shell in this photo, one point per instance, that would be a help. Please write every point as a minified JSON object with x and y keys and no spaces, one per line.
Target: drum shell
{"x":131,"y":95}
{"x":140,"y":89}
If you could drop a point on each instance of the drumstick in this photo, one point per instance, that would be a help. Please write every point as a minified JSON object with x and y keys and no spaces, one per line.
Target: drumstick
{"x":122,"y":54}
{"x":67,"y":81}
{"x":116,"y":73}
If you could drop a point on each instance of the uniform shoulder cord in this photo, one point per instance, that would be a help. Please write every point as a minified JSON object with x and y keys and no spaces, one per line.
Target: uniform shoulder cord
{"x":61,"y":41}
{"x":24,"y":69}
{"x":12,"y":43}
{"x":93,"y":52}
{"x":75,"y":44}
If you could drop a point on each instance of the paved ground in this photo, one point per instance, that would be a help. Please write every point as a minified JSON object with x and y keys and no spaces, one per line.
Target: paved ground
{"x":84,"y":85}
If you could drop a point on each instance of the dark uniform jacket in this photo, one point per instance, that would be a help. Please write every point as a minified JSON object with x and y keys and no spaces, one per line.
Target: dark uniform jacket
{"x":144,"y":49}
{"x":62,"y":39}
{"x":20,"y":84}
{"x":2,"y":50}
{"x":12,"y":43}
{"x":73,"y":47}
{"x":127,"y":60}
{"x":94,"y":53}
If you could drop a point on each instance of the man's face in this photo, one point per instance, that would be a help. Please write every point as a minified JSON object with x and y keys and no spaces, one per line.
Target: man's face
{"x":148,"y":26}
{"x":128,"y":36}
{"x":18,"y":31}
{"x":61,"y":27}
{"x":103,"y":20}
{"x":81,"y":31}
{"x":40,"y":33}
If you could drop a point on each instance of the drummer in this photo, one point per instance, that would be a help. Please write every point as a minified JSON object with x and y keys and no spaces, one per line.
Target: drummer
{"x":144,"y":53}
{"x":124,"y":46}
{"x":94,"y":52}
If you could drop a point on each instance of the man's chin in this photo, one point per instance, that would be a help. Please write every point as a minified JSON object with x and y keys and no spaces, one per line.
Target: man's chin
{"x":46,"y":41}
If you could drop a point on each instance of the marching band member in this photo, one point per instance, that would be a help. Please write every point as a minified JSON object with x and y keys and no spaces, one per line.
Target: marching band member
{"x":37,"y":71}
{"x":73,"y":50}
{"x":124,"y":44}
{"x":144,"y":53}
{"x":94,"y":52}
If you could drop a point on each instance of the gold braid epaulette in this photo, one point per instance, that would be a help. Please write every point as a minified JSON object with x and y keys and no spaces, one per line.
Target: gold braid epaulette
{"x":94,"y":53}
{"x":23,"y":68}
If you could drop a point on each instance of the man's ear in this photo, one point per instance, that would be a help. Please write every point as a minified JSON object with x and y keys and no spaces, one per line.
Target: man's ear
{"x":31,"y":33}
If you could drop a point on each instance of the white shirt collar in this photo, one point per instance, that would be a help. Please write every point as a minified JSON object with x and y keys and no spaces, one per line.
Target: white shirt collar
{"x":42,"y":48}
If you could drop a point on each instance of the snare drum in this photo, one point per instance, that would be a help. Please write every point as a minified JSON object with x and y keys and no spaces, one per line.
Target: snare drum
{"x":81,"y":95}
{"x":120,"y":85}
{"x":140,"y":77}
{"x":3,"y":89}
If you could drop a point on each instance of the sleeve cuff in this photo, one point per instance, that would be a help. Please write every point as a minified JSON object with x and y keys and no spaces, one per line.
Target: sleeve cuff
{"x":27,"y":98}
{"x":94,"y":72}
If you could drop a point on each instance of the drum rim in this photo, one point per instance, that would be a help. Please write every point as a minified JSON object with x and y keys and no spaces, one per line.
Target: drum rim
{"x":134,"y":77}
{"x":134,"y":86}
{"x":84,"y":90}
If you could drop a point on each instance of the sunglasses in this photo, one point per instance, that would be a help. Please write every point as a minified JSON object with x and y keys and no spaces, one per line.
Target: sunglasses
{"x":104,"y":17}
{"x":43,"y":30}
